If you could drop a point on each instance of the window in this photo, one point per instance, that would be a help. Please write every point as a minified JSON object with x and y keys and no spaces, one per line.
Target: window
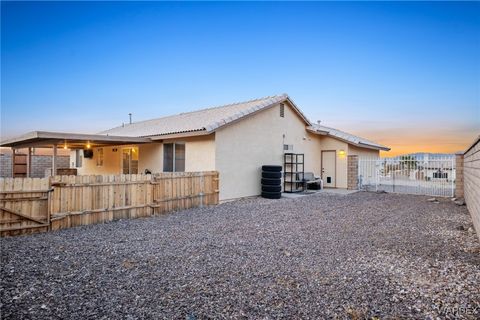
{"x":99,"y":157}
{"x":174,"y":157}
{"x":282,"y":110}
{"x":130,"y":160}
{"x":78,"y":158}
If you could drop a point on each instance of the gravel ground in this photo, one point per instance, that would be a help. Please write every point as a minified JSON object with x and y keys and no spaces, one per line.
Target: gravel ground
{"x":320,"y":256}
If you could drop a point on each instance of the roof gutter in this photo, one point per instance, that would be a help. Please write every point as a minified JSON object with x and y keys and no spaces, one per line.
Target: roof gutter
{"x":358,"y":144}
{"x":186,"y":134}
{"x":39,"y":138}
{"x":374,"y":147}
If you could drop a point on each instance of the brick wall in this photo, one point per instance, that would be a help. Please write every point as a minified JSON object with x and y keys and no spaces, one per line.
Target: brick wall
{"x":40,"y":164}
{"x":471,"y":178}
{"x":352,"y":172}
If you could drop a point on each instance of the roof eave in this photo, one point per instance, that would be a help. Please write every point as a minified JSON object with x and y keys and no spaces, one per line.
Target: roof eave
{"x":358,"y":144}
{"x":185,"y":134}
{"x":316,"y":131}
{"x":218,"y":125}
{"x":366,"y":145}
{"x":37,"y":138}
{"x":298,"y":110}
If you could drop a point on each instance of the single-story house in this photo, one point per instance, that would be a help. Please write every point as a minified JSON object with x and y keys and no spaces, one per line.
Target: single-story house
{"x":235,"y":139}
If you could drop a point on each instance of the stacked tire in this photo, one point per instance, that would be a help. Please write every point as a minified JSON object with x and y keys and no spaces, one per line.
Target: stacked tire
{"x":271,"y":182}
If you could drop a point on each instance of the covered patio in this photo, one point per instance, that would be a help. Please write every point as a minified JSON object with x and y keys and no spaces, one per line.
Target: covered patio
{"x":71,"y":141}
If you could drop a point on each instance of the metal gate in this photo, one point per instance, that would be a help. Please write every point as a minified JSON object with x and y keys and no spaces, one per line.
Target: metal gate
{"x":423,"y":175}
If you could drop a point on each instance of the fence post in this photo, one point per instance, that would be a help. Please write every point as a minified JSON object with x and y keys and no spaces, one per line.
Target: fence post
{"x":459,"y":176}
{"x":202,"y":188}
{"x":149,"y":198}
{"x":352,"y":172}
{"x":49,"y":204}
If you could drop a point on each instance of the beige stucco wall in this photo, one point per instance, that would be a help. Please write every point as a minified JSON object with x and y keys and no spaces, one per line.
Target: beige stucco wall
{"x":329,"y":143}
{"x":150,"y":156}
{"x":111,"y":161}
{"x":363,"y":152}
{"x":238,"y":151}
{"x":243,"y":147}
{"x":199,"y":154}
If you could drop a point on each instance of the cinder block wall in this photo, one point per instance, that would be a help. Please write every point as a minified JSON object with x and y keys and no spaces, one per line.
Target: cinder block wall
{"x":39,"y":165}
{"x":471,"y":177}
{"x":5,"y":165}
{"x":352,"y":172}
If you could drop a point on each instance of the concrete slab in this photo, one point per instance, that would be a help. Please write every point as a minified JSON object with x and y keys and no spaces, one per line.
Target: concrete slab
{"x":338,"y":191}
{"x":310,"y":192}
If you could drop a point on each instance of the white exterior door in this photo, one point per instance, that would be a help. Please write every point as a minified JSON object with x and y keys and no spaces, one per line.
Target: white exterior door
{"x":329,"y":168}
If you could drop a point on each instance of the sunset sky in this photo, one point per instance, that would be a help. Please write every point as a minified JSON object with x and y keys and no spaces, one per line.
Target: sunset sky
{"x":405,"y":74}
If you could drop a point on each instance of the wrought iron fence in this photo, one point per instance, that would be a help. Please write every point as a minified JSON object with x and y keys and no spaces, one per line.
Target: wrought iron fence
{"x":425,"y":175}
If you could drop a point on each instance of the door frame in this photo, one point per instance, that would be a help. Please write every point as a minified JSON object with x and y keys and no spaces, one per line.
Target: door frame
{"x":335,"y":163}
{"x":123,"y":148}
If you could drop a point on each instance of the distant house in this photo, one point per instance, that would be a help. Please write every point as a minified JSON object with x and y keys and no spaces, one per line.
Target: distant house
{"x":235,"y":139}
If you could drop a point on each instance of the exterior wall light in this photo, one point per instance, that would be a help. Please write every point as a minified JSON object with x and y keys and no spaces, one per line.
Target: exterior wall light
{"x":342,"y":153}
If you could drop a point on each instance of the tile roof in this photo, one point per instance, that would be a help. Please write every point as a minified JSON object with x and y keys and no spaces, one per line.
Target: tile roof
{"x":350,"y":138}
{"x":210,"y":119}
{"x":202,"y":120}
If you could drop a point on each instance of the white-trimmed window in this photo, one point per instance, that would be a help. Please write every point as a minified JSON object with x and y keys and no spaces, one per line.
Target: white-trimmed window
{"x":99,"y":157}
{"x":174,"y":157}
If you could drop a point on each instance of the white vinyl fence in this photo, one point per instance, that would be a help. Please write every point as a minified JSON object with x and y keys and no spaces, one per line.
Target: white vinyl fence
{"x":434,"y":176}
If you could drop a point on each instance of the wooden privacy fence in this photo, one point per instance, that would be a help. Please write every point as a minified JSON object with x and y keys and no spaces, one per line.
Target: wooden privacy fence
{"x":30,"y":205}
{"x":24,"y":205}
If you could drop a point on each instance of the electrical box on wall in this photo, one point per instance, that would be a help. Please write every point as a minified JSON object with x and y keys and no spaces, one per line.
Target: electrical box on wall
{"x":288,"y":147}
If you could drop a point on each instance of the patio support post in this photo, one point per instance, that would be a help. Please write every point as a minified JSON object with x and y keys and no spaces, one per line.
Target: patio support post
{"x":13,"y":162}
{"x":29,"y":162}
{"x":54,"y":161}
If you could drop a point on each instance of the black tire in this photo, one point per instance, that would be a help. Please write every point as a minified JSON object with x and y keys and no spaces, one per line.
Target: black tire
{"x":271,"y":175}
{"x":271,"y":168}
{"x":272,"y":188}
{"x":272,"y":195}
{"x":271,"y":182}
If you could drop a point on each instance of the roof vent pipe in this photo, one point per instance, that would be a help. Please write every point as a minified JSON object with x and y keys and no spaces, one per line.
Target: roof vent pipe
{"x":130,"y":116}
